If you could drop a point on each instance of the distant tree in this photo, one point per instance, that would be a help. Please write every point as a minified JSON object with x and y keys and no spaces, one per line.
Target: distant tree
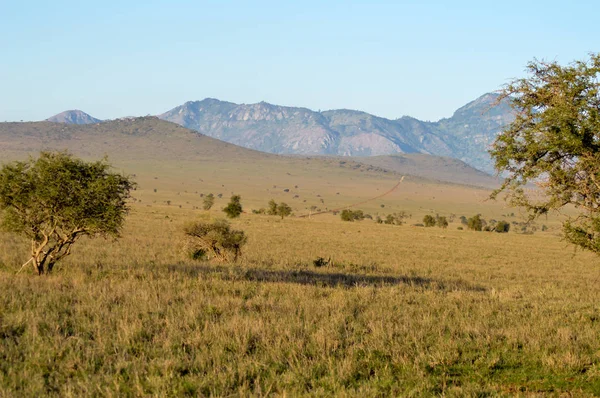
{"x":441,"y":222}
{"x":429,"y":220}
{"x":56,"y":199}
{"x":554,"y":141}
{"x":502,"y":226}
{"x":283,"y":210}
{"x":234,"y":207}
{"x":475,"y":223}
{"x":208,"y":201}
{"x":349,"y":215}
{"x":463,"y":220}
{"x":272,"y":209}
{"x":214,"y":241}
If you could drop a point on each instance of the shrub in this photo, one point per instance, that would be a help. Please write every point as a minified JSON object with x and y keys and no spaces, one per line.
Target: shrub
{"x":475,"y":223}
{"x":441,"y":222}
{"x":208,"y":202}
{"x":214,"y":241}
{"x":349,"y":215}
{"x":502,"y":227}
{"x":429,"y":221}
{"x":234,"y":207}
{"x":272,"y":208}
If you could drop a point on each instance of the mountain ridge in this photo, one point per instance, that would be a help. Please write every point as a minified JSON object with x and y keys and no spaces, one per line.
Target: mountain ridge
{"x":466,"y":135}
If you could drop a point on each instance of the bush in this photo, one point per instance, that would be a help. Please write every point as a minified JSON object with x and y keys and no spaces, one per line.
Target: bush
{"x":429,"y":221}
{"x":502,"y":227}
{"x":214,"y":241}
{"x":208,"y":202}
{"x":441,"y":222}
{"x":234,"y":207}
{"x":349,"y":215}
{"x":395,"y":218}
{"x":475,"y":223}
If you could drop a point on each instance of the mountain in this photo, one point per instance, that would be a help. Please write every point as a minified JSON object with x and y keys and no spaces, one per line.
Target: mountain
{"x":289,"y":130}
{"x":73,"y":117}
{"x":148,"y":143}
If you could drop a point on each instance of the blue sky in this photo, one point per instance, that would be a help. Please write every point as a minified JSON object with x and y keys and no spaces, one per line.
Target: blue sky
{"x":389,"y":58}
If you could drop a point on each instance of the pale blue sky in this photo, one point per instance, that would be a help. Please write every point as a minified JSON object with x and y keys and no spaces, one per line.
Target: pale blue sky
{"x":389,"y":58}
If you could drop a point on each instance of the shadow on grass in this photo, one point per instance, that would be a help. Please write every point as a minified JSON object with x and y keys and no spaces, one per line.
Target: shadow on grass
{"x":324,"y":279}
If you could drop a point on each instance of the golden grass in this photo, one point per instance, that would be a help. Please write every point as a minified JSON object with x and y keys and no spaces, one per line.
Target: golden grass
{"x":399,"y":311}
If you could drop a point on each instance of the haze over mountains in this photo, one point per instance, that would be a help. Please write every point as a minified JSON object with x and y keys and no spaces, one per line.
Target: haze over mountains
{"x":276,"y":129}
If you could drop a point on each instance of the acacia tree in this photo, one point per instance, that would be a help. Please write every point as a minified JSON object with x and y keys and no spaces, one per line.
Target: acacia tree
{"x":234,"y":207}
{"x":554,"y":142}
{"x":283,"y":210}
{"x":56,"y":199}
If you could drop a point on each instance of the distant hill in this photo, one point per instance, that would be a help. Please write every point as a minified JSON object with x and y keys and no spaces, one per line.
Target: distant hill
{"x":73,"y":117}
{"x":432,"y":167}
{"x":288,"y":130}
{"x":149,"y":140}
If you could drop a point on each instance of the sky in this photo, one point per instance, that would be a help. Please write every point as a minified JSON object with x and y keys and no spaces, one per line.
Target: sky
{"x":390,"y":58}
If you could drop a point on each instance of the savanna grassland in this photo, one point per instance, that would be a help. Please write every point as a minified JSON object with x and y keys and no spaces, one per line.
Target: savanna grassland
{"x":398,"y":310}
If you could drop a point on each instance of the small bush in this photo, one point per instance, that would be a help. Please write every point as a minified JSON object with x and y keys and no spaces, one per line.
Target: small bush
{"x":475,"y":223}
{"x":441,"y":222}
{"x":208,"y":202}
{"x":349,"y":215}
{"x":214,"y":241}
{"x":502,"y":227}
{"x":234,"y":207}
{"x":429,"y":221}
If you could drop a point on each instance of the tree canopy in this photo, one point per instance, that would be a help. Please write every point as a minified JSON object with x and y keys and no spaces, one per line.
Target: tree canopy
{"x":554,"y":142}
{"x":55,"y":199}
{"x":234,"y":207}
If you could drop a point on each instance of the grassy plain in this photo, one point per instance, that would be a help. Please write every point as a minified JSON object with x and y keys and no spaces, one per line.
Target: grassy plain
{"x":399,"y":311}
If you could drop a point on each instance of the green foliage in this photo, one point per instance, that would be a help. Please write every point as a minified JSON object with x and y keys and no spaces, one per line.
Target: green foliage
{"x":234,"y":207}
{"x":283,"y":210}
{"x":272,"y":209}
{"x":502,"y":226}
{"x":208,"y":201}
{"x":429,"y":221}
{"x":475,"y":223}
{"x":396,"y":218}
{"x":441,"y":221}
{"x":554,"y":141}
{"x":350,"y":215}
{"x":57,"y":198}
{"x":214,"y":241}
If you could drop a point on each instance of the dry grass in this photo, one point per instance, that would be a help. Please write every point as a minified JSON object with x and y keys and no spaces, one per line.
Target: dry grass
{"x":399,"y":311}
